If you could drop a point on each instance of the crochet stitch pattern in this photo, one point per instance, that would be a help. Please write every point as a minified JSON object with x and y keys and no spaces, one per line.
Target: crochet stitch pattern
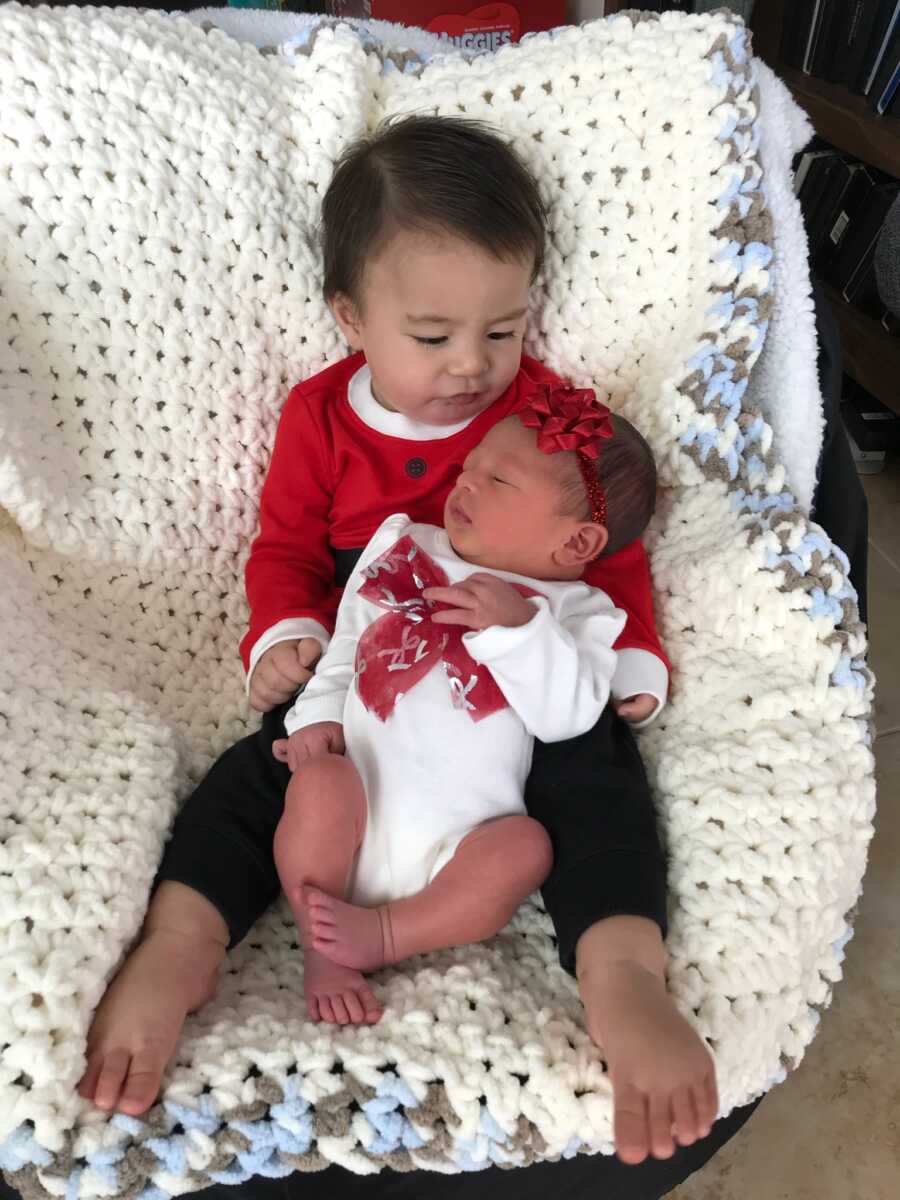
{"x":159,"y":293}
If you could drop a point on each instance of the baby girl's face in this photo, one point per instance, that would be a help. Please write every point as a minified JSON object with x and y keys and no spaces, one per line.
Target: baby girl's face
{"x":441,"y":324}
{"x":504,"y":511}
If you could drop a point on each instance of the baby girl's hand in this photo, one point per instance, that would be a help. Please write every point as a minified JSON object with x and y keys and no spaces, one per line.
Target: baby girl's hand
{"x":325,"y":737}
{"x":281,"y":670}
{"x":636,"y":708}
{"x":480,"y":601}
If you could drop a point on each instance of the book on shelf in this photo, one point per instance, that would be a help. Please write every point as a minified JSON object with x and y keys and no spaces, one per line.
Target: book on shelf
{"x":822,"y":190}
{"x":817,"y":182}
{"x":887,"y":81}
{"x":886,"y":22}
{"x":795,"y":31}
{"x":860,"y":240}
{"x":804,"y":161}
{"x":812,"y":35}
{"x":862,"y":290}
{"x":872,"y":424}
{"x":844,"y":218}
{"x":827,"y":224}
{"x":741,"y":8}
{"x":831,"y":15}
{"x":852,"y":40}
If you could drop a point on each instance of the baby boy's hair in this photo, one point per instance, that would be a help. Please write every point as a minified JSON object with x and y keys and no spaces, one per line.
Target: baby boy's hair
{"x":627,"y":474}
{"x":434,"y":174}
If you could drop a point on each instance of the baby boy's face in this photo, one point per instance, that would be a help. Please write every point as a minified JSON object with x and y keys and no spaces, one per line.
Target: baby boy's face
{"x":504,"y":511}
{"x":441,"y":324}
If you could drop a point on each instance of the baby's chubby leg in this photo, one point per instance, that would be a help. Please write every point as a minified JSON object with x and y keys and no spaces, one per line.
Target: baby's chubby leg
{"x":494,"y":869}
{"x":316,"y":843}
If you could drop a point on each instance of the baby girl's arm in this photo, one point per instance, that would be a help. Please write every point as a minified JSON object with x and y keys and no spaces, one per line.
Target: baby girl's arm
{"x":326,"y":737}
{"x":325,"y":695}
{"x":555,"y":673}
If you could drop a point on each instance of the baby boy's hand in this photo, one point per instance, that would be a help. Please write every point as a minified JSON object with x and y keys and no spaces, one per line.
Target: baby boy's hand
{"x":480,"y":601}
{"x":636,"y":708}
{"x":281,"y":670}
{"x":325,"y":737}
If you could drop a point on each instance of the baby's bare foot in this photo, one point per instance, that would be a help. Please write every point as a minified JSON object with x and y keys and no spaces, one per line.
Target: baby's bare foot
{"x":346,"y":933}
{"x":136,"y":1027}
{"x":336,"y":994}
{"x":663,"y":1078}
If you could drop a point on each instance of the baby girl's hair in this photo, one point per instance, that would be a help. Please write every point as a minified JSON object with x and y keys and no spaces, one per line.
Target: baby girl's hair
{"x":434,"y":174}
{"x":627,"y":474}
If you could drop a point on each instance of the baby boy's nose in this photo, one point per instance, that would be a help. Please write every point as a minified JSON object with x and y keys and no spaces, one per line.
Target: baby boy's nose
{"x":470,"y":365}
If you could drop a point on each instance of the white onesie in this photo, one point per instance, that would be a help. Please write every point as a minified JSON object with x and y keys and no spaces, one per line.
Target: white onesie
{"x":431,"y":773}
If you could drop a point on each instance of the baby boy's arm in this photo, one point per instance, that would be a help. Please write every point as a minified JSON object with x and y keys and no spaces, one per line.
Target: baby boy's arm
{"x":290,"y":572}
{"x":642,"y":667}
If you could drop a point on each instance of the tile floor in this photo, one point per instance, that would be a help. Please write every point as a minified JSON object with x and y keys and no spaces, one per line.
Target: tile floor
{"x":832,"y":1130}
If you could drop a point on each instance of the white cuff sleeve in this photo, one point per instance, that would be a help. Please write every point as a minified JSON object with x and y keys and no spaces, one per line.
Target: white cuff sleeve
{"x":640,"y":671}
{"x":311,"y":707}
{"x":555,"y":675}
{"x":288,"y":630}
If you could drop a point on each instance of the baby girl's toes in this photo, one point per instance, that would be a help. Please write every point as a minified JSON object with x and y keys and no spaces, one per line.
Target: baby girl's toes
{"x":373,"y":1012}
{"x":353,"y":1007}
{"x":326,"y":1010}
{"x":340,"y":1010}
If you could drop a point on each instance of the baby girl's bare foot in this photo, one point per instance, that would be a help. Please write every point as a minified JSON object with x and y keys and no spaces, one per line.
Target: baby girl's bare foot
{"x":663,"y":1078}
{"x":345,"y":933}
{"x":336,"y":994}
{"x":139,"y":1020}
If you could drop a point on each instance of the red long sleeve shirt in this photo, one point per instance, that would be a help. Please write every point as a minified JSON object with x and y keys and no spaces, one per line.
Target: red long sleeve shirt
{"x":333,"y":479}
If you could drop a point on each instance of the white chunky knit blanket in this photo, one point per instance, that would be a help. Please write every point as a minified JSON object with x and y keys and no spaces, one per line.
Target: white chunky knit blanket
{"x":159,"y":293}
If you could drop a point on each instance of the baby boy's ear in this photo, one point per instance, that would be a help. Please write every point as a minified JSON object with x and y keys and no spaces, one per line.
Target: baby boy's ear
{"x":346,"y":314}
{"x":583,"y":545}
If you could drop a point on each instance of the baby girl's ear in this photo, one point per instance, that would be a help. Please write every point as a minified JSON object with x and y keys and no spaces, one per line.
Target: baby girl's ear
{"x":583,"y":545}
{"x":346,"y":314}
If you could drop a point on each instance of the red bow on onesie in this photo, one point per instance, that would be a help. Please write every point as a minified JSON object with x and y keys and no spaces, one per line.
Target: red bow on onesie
{"x":400,"y":648}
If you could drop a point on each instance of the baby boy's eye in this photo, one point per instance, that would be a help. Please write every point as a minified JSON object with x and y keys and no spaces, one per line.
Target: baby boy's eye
{"x":497,"y":479}
{"x":499,"y":337}
{"x":431,"y":341}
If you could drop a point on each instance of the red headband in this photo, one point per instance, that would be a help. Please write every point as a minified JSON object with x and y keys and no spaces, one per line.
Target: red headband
{"x":569,"y":418}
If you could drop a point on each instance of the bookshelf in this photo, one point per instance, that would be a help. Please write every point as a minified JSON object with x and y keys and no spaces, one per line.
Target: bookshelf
{"x":871,"y":354}
{"x":846,"y":121}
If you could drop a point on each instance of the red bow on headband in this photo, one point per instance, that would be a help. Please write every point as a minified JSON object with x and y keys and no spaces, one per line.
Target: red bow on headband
{"x":400,"y":648}
{"x":567,"y":418}
{"x":570,"y":418}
